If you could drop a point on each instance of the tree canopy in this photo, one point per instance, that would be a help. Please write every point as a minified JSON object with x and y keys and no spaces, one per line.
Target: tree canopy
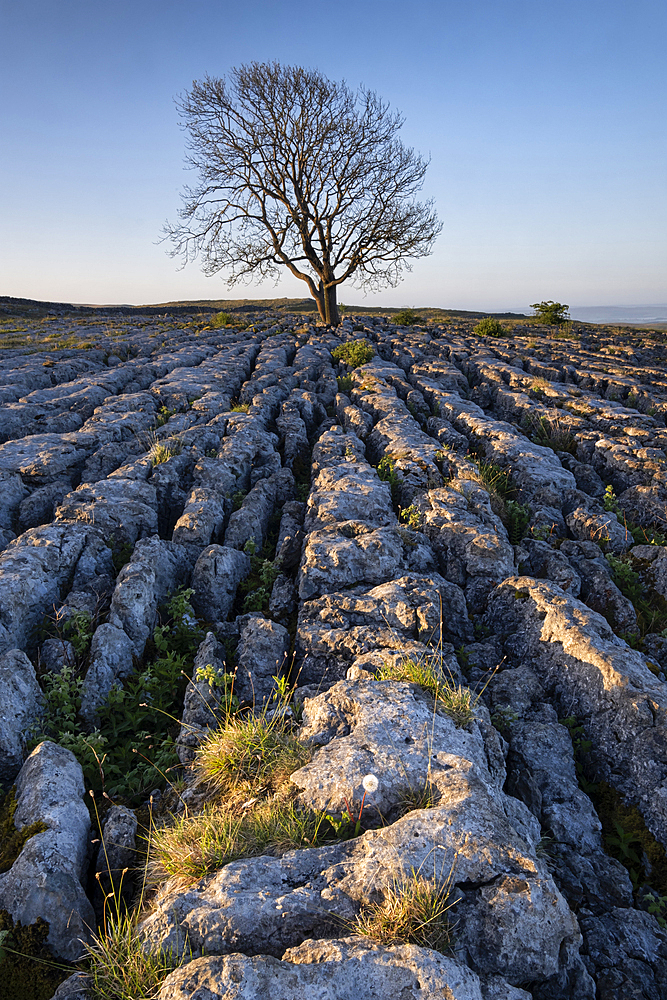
{"x":300,"y":172}
{"x":553,"y":313}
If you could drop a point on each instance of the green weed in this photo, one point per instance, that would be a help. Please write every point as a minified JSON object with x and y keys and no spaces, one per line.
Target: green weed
{"x":410,"y":516}
{"x":133,"y":746}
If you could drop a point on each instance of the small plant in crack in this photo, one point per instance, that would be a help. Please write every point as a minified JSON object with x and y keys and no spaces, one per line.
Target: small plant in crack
{"x":455,"y":700}
{"x":414,"y":910}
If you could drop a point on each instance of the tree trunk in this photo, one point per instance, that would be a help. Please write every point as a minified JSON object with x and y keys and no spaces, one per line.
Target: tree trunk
{"x":331,"y":306}
{"x":327,"y":306}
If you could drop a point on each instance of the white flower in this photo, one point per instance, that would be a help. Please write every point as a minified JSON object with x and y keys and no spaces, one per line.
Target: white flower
{"x":370,"y":783}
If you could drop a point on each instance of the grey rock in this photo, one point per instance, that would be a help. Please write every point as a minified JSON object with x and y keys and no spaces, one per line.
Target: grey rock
{"x":397,"y":617}
{"x":55,"y":654}
{"x":349,"y":492}
{"x":261,"y":655}
{"x":348,"y":554}
{"x":34,"y":570}
{"x":251,"y":521}
{"x":202,"y":707}
{"x":360,"y":717}
{"x":76,"y":987}
{"x":122,"y":510}
{"x":42,"y":458}
{"x":20,"y":704}
{"x":329,"y":970}
{"x":12,"y":493}
{"x":46,"y":878}
{"x":217,"y":573}
{"x":38,"y":508}
{"x":117,"y":857}
{"x":469,"y":539}
{"x":202,"y":519}
{"x":283,"y":597}
{"x":335,"y":446}
{"x":538,"y":559}
{"x":290,"y":535}
{"x":156,"y":568}
{"x":629,"y":952}
{"x":602,"y":528}
{"x":111,"y":661}
{"x":597,"y":677}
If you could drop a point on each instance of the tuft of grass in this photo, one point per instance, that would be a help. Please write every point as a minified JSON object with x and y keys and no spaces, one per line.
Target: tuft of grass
{"x":250,"y":749}
{"x":552,"y":434}
{"x":164,"y":450}
{"x":344,"y":383}
{"x":457,"y":701}
{"x":119,"y":966}
{"x":414,"y":911}
{"x":423,"y":796}
{"x":196,"y":845}
{"x":240,"y":408}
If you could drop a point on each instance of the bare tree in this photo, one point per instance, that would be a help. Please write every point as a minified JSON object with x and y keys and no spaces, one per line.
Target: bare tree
{"x":300,"y":172}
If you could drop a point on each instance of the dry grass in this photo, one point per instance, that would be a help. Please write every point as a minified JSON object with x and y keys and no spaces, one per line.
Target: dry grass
{"x":457,"y":701}
{"x":162,"y":451}
{"x":119,"y":966}
{"x":414,"y":911}
{"x":195,"y":846}
{"x":247,"y":760}
{"x":249,"y":750}
{"x":423,"y":796}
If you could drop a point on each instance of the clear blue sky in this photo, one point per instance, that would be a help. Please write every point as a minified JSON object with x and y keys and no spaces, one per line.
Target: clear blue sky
{"x":544,"y":120}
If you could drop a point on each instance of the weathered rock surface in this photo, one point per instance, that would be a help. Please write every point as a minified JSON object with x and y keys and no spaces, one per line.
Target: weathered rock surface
{"x":46,"y":878}
{"x":474,"y":503}
{"x":261,"y":655}
{"x":600,"y":679}
{"x":334,"y":970}
{"x":217,"y":573}
{"x":20,"y":704}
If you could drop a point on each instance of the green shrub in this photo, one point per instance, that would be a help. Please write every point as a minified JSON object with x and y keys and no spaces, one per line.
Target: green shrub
{"x":406,"y":317}
{"x":354,"y":353}
{"x":410,"y":516}
{"x":345,"y":383}
{"x":490,"y":327}
{"x":221,"y":319}
{"x":386,"y":470}
{"x":516,"y":520}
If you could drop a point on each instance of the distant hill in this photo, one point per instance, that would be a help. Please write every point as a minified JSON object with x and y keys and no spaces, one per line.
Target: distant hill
{"x":26,"y":307}
{"x":620,"y":314}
